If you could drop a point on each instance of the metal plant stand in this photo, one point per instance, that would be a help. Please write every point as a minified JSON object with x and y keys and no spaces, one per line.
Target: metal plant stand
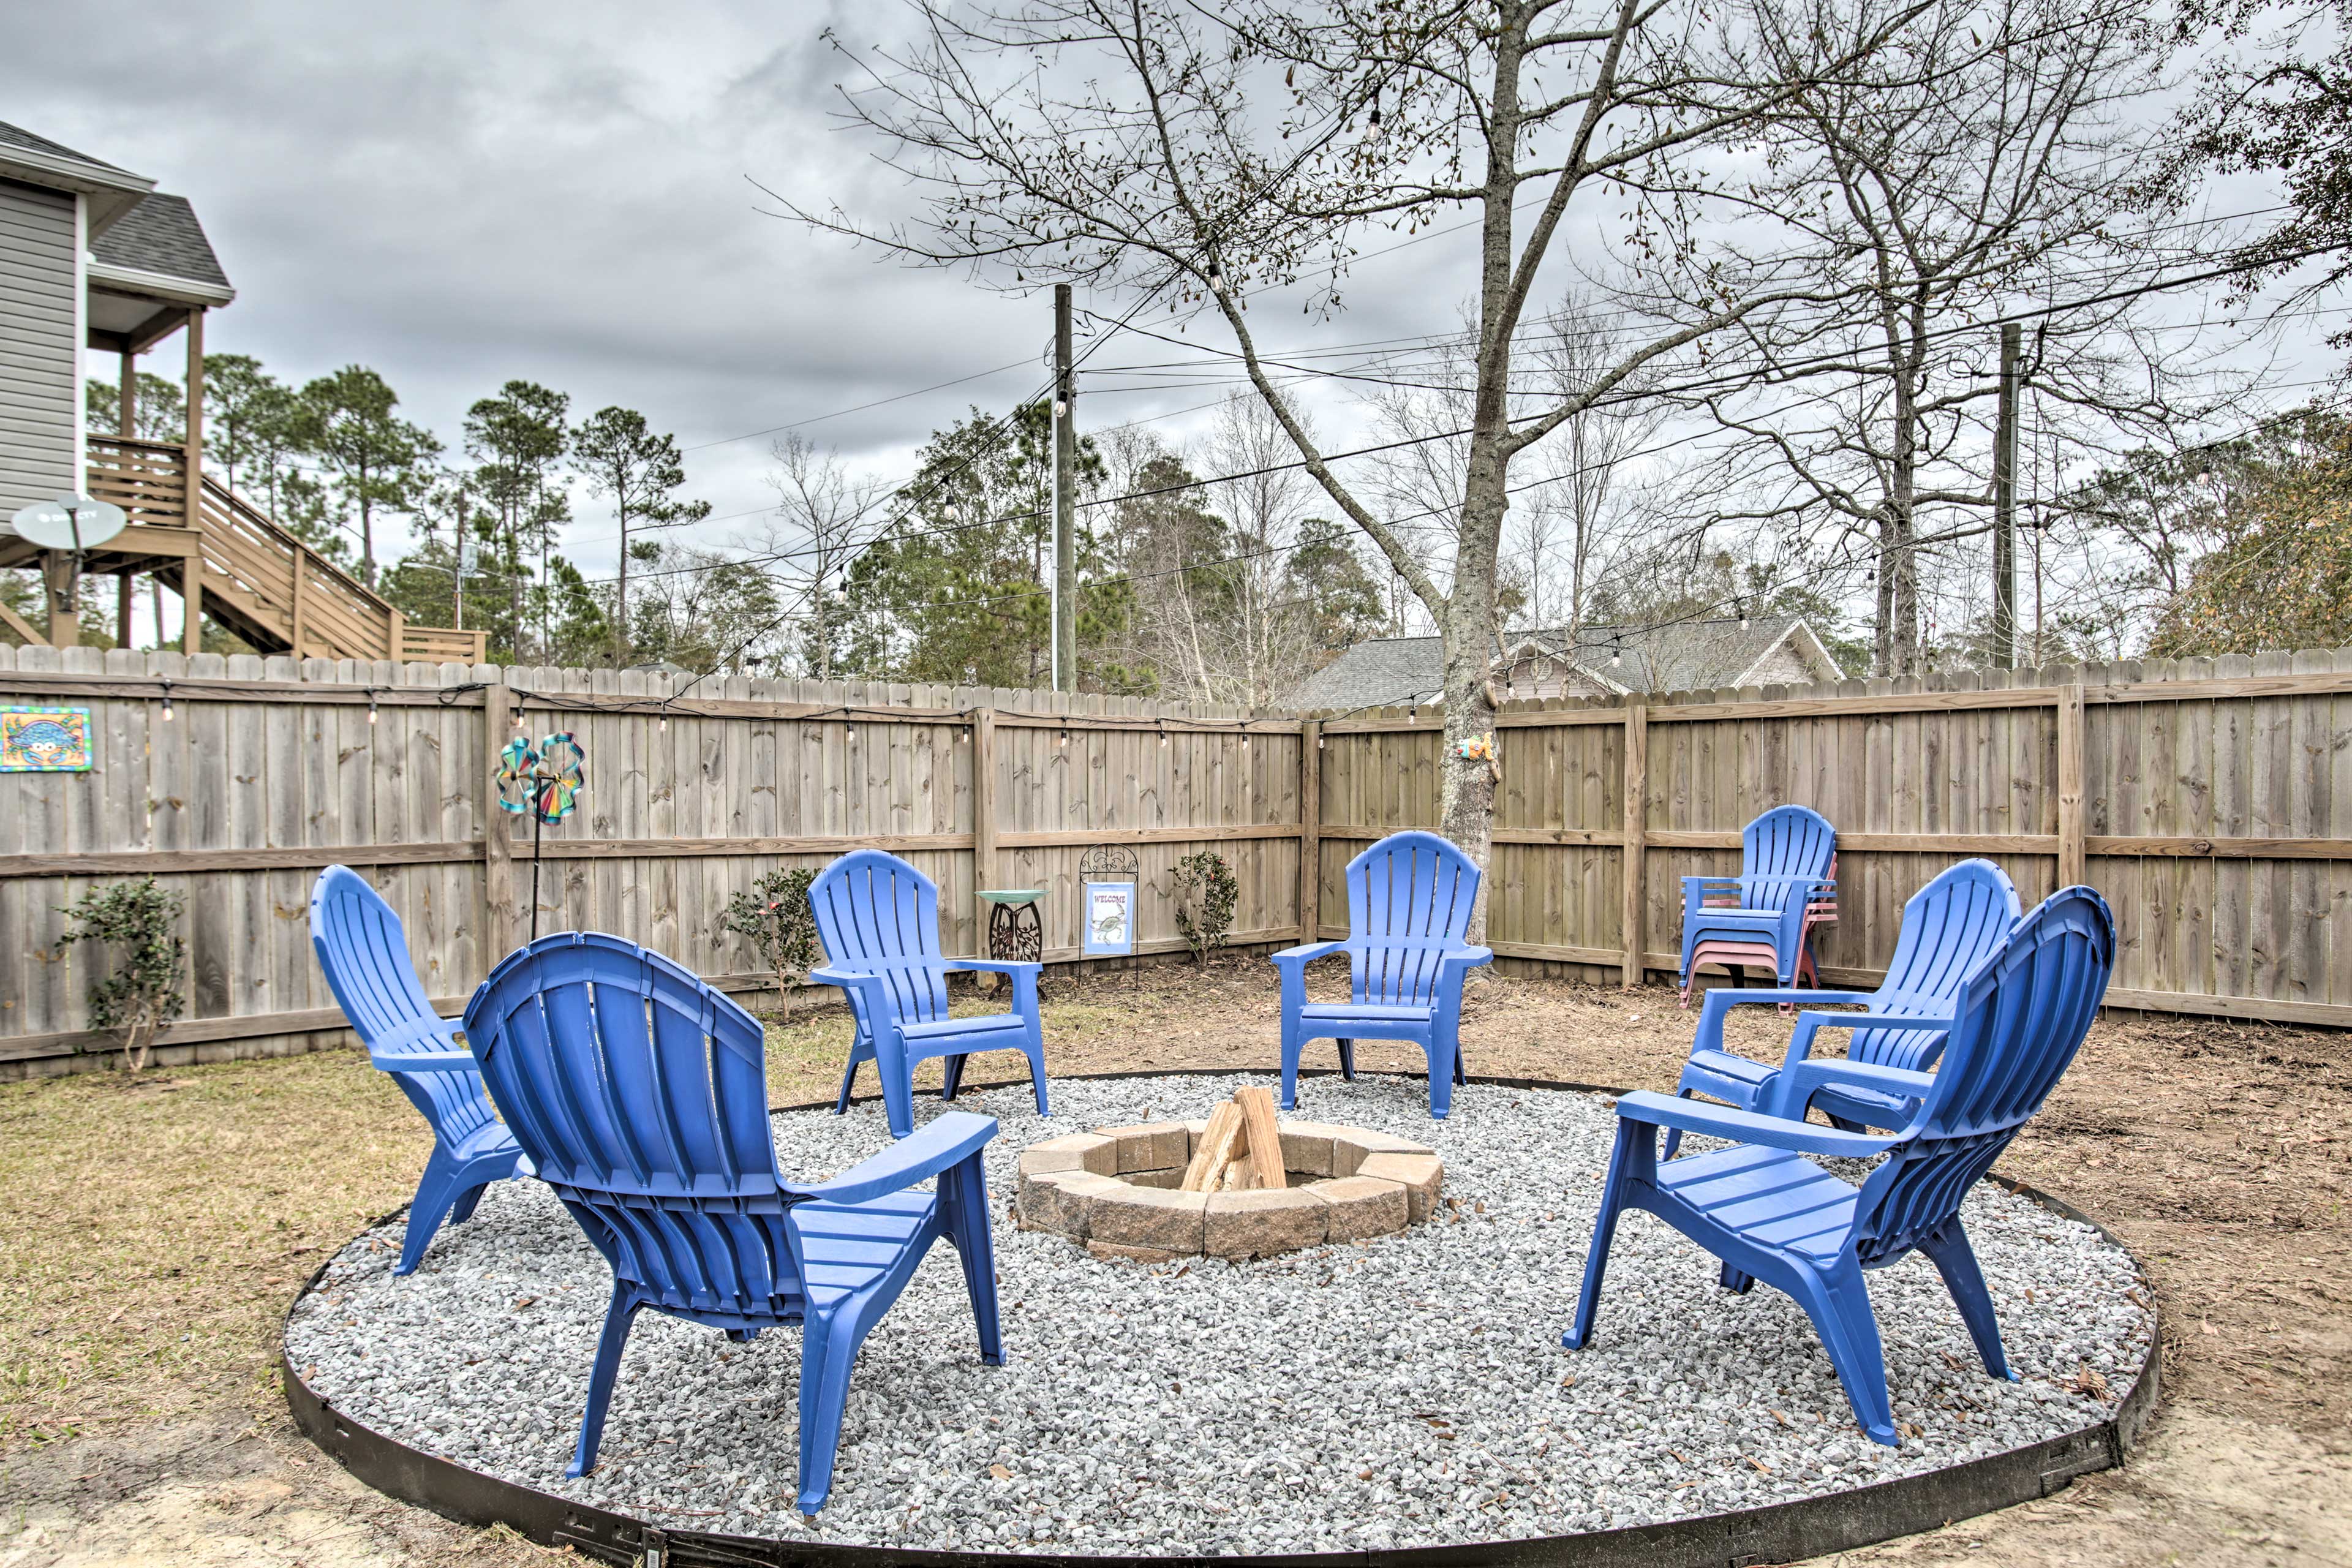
{"x":1114,"y":863}
{"x":1015,"y":931}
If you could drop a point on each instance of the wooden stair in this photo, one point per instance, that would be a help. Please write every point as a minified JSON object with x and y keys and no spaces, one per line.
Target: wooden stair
{"x":254,"y":577}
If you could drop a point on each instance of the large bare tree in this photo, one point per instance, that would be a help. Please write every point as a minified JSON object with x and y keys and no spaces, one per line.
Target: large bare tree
{"x":1198,"y":156}
{"x":1986,"y":163}
{"x":824,"y":518}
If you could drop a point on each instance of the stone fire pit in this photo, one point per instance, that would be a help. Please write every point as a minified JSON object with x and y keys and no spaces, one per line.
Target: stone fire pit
{"x":1115,"y":1189}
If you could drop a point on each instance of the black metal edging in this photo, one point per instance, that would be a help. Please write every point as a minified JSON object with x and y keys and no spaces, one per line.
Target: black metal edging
{"x":1779,"y":1533}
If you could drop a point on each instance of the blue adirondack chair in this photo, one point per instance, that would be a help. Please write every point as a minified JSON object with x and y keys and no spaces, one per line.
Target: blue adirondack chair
{"x":1770,"y":1214}
{"x":879,"y":918}
{"x":1947,"y":926}
{"x":364,"y":954}
{"x":1409,"y":900}
{"x":1784,"y":865}
{"x":641,"y":1094}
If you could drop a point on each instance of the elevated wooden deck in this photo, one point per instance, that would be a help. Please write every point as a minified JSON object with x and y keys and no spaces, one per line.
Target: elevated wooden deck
{"x":226,"y":556}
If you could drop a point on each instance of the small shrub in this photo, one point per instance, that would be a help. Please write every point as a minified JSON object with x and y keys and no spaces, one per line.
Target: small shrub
{"x":1206,"y":895}
{"x":142,"y":993}
{"x":776,"y":918}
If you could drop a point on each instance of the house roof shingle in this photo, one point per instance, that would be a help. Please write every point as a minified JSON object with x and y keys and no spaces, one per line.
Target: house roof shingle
{"x":1685,"y":657}
{"x":16,"y":136}
{"x":162,"y":235}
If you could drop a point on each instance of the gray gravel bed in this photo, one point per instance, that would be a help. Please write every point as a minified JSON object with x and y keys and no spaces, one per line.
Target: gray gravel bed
{"x":1408,"y":1391}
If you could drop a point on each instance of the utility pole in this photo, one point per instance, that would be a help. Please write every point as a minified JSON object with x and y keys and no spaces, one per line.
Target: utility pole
{"x":1065,"y":499}
{"x":2004,"y":505}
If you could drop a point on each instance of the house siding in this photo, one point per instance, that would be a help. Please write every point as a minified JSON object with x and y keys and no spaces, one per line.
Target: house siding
{"x":39,"y":369}
{"x":1784,"y":666}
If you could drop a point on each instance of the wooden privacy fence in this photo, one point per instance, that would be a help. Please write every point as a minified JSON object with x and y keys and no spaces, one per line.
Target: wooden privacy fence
{"x":269,"y":769}
{"x":2211,"y":802}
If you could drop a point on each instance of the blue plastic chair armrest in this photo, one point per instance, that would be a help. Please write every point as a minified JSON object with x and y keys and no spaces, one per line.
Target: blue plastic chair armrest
{"x":1733,"y":996}
{"x":1798,"y":1082}
{"x":1309,"y":952}
{"x":936,"y":1146}
{"x":1468,"y":957}
{"x":1746,"y":1126}
{"x":868,"y":986}
{"x":1014,"y":966}
{"x":1868,"y":1021}
{"x":1901,"y":1081}
{"x":1722,"y":999}
{"x":426,"y":1061}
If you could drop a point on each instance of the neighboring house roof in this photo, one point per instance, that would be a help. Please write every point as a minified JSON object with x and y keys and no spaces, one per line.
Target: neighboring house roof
{"x":37,"y":160}
{"x":19,"y":137}
{"x":1685,"y":657}
{"x":157,"y":244}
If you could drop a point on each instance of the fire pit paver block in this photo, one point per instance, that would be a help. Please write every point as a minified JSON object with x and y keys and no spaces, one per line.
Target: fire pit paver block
{"x":1150,"y":1146}
{"x":1148,"y":1216}
{"x":1362,"y":1207}
{"x":1256,"y":1223}
{"x":1062,"y":1200}
{"x":1421,"y":1175}
{"x":1077,"y":1152}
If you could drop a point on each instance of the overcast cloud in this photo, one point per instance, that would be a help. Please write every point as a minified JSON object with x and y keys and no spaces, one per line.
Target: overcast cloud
{"x":461,"y":194}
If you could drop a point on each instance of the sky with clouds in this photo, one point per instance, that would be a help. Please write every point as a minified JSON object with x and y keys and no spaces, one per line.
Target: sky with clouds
{"x":458,"y":194}
{"x":461,"y":194}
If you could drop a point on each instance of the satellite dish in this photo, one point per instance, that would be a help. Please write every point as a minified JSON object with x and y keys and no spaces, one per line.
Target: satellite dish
{"x":70,"y":522}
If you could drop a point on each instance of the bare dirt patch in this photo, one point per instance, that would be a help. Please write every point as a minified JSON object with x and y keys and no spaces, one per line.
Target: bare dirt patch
{"x":154,"y":1231}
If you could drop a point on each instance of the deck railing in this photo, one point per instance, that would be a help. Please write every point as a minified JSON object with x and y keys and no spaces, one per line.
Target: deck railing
{"x":264,"y":578}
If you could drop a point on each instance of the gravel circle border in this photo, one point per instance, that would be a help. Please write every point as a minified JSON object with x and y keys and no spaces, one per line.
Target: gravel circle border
{"x":1779,"y":1532}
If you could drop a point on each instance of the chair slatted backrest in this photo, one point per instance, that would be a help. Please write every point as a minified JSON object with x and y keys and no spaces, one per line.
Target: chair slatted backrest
{"x":1409,"y":900}
{"x":880,"y":916}
{"x":1947,"y":928}
{"x":364,"y":952}
{"x":641,"y":1096}
{"x":2023,"y":1013}
{"x":1786,"y":841}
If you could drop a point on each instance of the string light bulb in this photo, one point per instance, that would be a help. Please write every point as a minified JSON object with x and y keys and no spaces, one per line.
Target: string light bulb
{"x":1376,"y":108}
{"x":167,"y":702}
{"x":1060,"y":407}
{"x":1616,"y":657}
{"x":664,"y":721}
{"x":1216,"y":275}
{"x":1066,"y":734}
{"x":371,"y":714}
{"x":1163,"y":732}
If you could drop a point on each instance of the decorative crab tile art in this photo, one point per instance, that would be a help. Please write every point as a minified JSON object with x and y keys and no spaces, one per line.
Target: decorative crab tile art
{"x":44,"y":740}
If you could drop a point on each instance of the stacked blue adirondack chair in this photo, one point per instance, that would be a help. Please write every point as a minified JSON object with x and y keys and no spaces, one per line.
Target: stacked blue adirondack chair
{"x":2014,"y":1023}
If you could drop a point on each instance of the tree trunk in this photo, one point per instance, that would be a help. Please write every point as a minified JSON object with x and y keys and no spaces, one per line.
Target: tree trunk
{"x":1467,"y":809}
{"x":619,"y":631}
